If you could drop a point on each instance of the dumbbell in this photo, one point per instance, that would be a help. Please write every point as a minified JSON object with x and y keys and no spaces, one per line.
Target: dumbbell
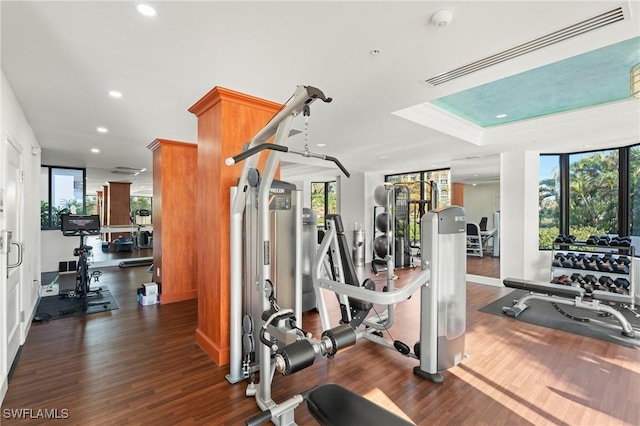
{"x":590,"y":282}
{"x":622,"y":283}
{"x":569,"y":260}
{"x":594,"y":263}
{"x":625,"y":242}
{"x":606,"y":282}
{"x":592,"y":240}
{"x":620,"y":241}
{"x":604,"y":240}
{"x":557,"y":260}
{"x":622,"y":265}
{"x":606,"y":266}
{"x":577,"y":278}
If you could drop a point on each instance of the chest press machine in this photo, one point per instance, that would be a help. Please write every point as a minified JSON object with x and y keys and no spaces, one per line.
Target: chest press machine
{"x":284,"y":346}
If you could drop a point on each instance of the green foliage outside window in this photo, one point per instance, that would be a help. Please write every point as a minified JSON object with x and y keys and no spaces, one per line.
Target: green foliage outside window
{"x":594,"y":199}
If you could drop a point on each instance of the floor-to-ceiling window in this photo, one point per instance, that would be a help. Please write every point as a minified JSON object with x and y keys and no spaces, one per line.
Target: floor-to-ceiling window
{"x":324,"y":200}
{"x":590,"y":193}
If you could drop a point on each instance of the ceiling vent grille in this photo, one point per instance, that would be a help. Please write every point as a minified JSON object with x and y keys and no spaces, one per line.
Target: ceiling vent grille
{"x":132,"y":171}
{"x":599,"y":21}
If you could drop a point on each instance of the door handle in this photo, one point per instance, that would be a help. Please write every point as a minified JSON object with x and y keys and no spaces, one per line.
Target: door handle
{"x":19,"y":262}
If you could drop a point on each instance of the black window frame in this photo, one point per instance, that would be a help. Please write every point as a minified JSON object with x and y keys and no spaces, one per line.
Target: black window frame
{"x":46,"y":215}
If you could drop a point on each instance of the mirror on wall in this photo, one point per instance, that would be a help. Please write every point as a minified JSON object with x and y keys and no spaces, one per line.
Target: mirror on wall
{"x":477,"y":181}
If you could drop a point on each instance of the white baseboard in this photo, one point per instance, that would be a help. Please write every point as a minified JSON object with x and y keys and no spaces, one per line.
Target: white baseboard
{"x":495,"y":282}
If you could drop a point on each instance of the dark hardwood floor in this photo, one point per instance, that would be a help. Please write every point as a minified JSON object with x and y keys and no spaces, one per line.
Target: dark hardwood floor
{"x":140,"y":365}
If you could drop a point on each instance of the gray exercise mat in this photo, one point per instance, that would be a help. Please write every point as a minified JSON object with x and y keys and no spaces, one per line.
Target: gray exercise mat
{"x":544,"y":314}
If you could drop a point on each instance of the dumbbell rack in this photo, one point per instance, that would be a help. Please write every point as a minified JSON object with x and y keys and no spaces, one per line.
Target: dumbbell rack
{"x":588,"y":256}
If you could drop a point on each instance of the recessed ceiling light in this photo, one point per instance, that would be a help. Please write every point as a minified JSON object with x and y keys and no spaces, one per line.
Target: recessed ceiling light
{"x":382,"y":157}
{"x":146,"y":10}
{"x":101,"y":130}
{"x":375,"y":52}
{"x":115,"y":94}
{"x":501,"y":115}
{"x":321,"y":144}
{"x":95,"y":150}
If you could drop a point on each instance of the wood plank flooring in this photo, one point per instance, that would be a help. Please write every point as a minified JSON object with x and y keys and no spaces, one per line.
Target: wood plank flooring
{"x":140,"y":365}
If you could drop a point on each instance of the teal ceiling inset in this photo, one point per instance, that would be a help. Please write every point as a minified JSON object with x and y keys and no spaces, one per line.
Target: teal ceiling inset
{"x":585,"y":80}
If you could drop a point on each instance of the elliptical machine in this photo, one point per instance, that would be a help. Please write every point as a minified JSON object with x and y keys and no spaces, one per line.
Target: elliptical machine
{"x":82,"y":225}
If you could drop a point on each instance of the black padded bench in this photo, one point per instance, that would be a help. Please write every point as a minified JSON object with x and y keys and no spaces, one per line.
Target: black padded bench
{"x":567,"y":295}
{"x":334,"y":405}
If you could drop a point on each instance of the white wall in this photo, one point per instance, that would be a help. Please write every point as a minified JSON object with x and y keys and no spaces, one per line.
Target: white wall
{"x":14,"y":125}
{"x":481,"y":201}
{"x":56,"y":248}
{"x":519,"y":253}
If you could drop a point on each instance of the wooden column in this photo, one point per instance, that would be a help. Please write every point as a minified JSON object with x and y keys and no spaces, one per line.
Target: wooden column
{"x":118,"y":211}
{"x":105,"y":205}
{"x":457,"y":194}
{"x":174,"y":219}
{"x":226,"y":120}
{"x":99,"y":204}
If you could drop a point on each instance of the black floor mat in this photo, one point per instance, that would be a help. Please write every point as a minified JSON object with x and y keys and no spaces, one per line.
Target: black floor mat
{"x":52,"y":307}
{"x":544,"y":314}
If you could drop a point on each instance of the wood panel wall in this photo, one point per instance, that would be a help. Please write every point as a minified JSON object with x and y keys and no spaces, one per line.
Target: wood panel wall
{"x":226,"y":120}
{"x":174,"y":224}
{"x":119,"y":203}
{"x":457,"y":194}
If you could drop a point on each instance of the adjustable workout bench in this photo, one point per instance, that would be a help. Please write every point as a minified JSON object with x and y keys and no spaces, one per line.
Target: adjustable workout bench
{"x":569,"y":296}
{"x":334,"y":405}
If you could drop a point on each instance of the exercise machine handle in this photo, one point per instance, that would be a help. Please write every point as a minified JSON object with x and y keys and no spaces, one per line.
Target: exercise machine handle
{"x":230,"y":161}
{"x":259,"y":419}
{"x":339,"y":164}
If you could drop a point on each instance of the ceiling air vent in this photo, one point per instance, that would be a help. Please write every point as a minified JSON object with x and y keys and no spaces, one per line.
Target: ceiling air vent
{"x":131,"y":171}
{"x":585,"y":26}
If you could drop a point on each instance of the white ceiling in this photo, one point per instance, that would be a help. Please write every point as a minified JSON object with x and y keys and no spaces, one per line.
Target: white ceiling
{"x":62,"y":58}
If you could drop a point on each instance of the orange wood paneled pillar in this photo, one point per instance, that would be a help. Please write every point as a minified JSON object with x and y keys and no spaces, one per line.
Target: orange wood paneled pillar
{"x":226,"y":120}
{"x":119,"y":213}
{"x":174,"y":219}
{"x":105,"y":205}
{"x":99,"y":205}
{"x":457,"y":194}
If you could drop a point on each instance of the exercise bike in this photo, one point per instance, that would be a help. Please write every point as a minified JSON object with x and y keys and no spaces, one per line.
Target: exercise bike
{"x":82,"y":225}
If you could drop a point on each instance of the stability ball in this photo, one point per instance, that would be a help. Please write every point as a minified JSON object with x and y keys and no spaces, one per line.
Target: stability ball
{"x":380,"y":193}
{"x":381,"y":246}
{"x":383,"y":221}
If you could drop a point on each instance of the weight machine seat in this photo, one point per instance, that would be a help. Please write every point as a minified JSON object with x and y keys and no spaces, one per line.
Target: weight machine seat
{"x":555,"y":289}
{"x":334,"y":405}
{"x":348,"y":268}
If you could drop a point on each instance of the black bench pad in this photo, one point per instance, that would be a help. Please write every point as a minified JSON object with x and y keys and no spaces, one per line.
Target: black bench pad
{"x":555,"y":289}
{"x":334,"y":405}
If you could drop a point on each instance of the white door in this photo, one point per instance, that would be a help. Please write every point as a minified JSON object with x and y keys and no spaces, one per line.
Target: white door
{"x":13,"y":212}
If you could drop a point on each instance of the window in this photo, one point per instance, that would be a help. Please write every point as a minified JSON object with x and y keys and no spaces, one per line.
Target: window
{"x":428,"y":190}
{"x":62,"y":192}
{"x":549,"y":199}
{"x":141,"y":203}
{"x":590,"y":193}
{"x":324,"y":200}
{"x":593,"y":194}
